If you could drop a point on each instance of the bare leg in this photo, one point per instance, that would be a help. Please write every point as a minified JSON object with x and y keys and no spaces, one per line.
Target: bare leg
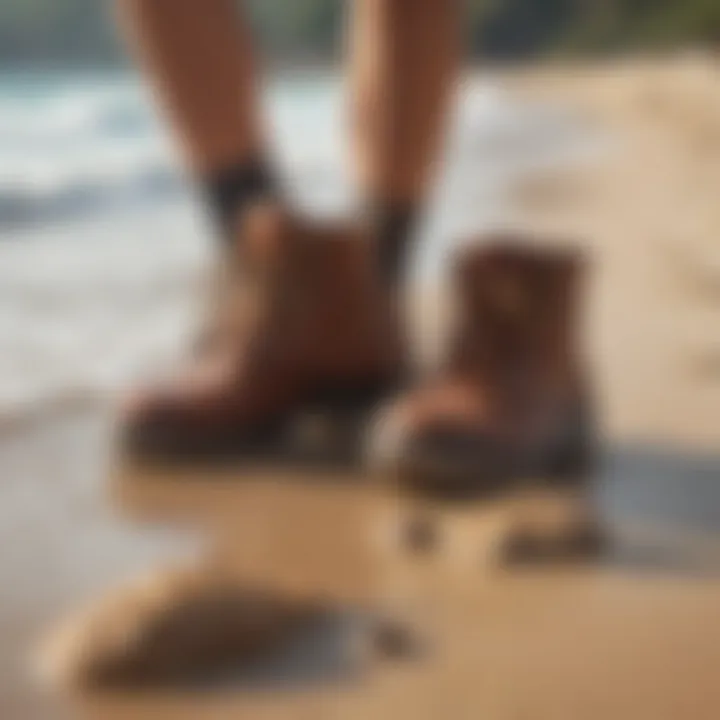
{"x":198,"y":56}
{"x":404,"y":62}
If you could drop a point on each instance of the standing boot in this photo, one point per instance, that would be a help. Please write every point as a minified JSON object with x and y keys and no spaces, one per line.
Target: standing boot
{"x":508,"y":408}
{"x":308,"y":330}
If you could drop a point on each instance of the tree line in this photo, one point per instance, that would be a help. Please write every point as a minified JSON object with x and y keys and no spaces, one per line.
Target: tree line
{"x":82,"y":31}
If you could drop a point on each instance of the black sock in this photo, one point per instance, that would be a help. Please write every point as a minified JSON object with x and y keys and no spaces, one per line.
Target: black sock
{"x":231,"y":189}
{"x":392,"y":226}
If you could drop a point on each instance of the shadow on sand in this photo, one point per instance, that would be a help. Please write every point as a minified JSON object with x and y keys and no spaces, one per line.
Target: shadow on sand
{"x":662,"y":507}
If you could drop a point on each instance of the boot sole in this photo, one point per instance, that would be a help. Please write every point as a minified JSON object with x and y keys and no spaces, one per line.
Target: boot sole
{"x":321,"y":444}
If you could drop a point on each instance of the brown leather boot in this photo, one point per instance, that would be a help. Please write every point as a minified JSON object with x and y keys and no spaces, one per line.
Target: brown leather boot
{"x":509,"y":403}
{"x":308,"y":330}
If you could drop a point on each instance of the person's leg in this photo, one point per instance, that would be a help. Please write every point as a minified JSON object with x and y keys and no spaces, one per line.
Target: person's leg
{"x":311,"y":329}
{"x":404,"y":62}
{"x":198,"y":56}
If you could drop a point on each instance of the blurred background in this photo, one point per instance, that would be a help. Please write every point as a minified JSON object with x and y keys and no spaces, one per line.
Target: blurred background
{"x":101,"y":239}
{"x":596,"y":120}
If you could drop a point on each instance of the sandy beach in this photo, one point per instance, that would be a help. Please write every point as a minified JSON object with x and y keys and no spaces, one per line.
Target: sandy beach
{"x":636,"y":636}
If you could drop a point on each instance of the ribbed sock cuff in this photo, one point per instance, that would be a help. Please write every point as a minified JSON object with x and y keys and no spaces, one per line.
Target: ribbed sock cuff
{"x":392,"y":225}
{"x":231,"y":189}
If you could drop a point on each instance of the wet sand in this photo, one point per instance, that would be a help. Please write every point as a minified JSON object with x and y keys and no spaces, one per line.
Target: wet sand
{"x":634,"y":636}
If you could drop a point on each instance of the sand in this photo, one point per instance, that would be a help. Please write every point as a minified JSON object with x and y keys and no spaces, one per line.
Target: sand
{"x":635,"y":637}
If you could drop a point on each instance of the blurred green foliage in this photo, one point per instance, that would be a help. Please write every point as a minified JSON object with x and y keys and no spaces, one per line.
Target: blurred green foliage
{"x":44,"y":31}
{"x":82,"y":30}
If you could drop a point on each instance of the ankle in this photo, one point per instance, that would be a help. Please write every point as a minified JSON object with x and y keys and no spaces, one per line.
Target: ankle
{"x":392,"y":225}
{"x":234,"y":188}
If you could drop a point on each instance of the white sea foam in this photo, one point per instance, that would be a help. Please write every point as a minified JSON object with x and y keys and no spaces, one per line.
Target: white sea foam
{"x":70,"y":147}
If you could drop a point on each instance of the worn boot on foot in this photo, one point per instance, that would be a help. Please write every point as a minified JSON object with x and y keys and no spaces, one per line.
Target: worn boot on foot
{"x":308,"y":329}
{"x":509,"y":403}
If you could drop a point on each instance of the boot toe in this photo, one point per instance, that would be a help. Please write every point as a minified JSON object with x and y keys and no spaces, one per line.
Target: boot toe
{"x":454,"y":462}
{"x":438,"y":458}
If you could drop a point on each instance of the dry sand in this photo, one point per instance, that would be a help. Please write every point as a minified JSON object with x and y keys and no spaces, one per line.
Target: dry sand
{"x":637,"y":637}
{"x":649,"y":215}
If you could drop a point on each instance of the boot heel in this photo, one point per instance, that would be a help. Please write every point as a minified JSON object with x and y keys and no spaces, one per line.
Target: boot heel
{"x":556,"y":517}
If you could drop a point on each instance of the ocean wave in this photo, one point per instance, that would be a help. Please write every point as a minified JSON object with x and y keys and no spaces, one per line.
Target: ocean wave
{"x":70,"y":148}
{"x":51,"y":195}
